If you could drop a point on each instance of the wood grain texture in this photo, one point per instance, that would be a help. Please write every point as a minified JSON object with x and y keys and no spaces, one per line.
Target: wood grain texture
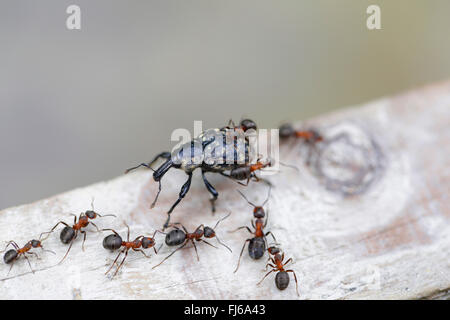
{"x":366,"y":218}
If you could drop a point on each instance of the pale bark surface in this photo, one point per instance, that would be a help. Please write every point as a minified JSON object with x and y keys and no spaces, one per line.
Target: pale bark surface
{"x":367,"y":217}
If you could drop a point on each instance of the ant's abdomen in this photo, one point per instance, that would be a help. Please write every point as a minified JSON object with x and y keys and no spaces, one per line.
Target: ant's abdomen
{"x":175,"y":237}
{"x":112,"y":242}
{"x":10,"y":256}
{"x":66,"y":235}
{"x":282,"y":280}
{"x":256,"y":248}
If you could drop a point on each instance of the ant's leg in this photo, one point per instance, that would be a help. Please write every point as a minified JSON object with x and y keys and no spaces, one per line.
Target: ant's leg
{"x":269,"y":265}
{"x":289,"y":260}
{"x":184,"y":190}
{"x":267,"y":218}
{"x":33,"y":254}
{"x":270,"y":232}
{"x":46,"y":250}
{"x":178,"y":223}
{"x":121,"y":251}
{"x":12,"y":264}
{"x":141,"y":251}
{"x":211,"y":190}
{"x":84,"y":238}
{"x":266,"y":275}
{"x":13,"y":243}
{"x":185,"y":243}
{"x":114,"y":231}
{"x":229,"y":177}
{"x":128,"y":233}
{"x":253,"y":224}
{"x":295,"y":278}
{"x":195,"y":247}
{"x":240,"y":256}
{"x":51,"y":230}
{"x":243,"y":227}
{"x":208,"y":243}
{"x":120,"y":265}
{"x":70,"y":246}
{"x":75,"y":217}
{"x":98,"y":230}
{"x":28,"y":263}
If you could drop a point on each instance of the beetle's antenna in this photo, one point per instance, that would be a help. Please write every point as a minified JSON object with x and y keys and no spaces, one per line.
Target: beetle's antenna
{"x":246,"y":198}
{"x":138,"y":166}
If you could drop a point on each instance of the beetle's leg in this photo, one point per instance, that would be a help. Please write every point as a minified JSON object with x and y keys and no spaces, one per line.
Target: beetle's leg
{"x":211,"y":190}
{"x":184,"y":190}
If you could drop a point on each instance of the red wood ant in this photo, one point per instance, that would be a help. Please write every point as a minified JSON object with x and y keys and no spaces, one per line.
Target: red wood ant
{"x":257,"y":244}
{"x":177,"y":236}
{"x":310,"y":136}
{"x":114,"y":241}
{"x":13,"y":254}
{"x":282,"y":277}
{"x":69,"y":233}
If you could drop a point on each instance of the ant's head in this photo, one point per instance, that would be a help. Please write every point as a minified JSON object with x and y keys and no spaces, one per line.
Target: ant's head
{"x":35,"y":243}
{"x":258,"y":212}
{"x":316,"y":136}
{"x":147,"y":242}
{"x":209,"y":232}
{"x":273,"y":250}
{"x":248,"y":124}
{"x":91,"y":214}
{"x":286,"y":130}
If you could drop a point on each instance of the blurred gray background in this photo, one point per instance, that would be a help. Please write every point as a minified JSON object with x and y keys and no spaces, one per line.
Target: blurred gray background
{"x":77,"y":107}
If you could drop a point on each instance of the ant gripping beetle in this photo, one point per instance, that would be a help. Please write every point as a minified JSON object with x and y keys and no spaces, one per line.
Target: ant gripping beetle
{"x":69,"y":233}
{"x":211,"y":151}
{"x":114,"y":241}
{"x":13,"y":254}
{"x":257,"y":244}
{"x":177,"y":236}
{"x":282,"y":277}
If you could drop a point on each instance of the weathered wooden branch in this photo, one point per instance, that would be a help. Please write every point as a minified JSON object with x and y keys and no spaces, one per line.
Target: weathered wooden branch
{"x":366,"y":216}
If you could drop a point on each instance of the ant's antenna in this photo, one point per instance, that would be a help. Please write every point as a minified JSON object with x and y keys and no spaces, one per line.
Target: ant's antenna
{"x":268,"y":196}
{"x":221,"y":220}
{"x":243,"y":196}
{"x":265,"y":201}
{"x":101,"y":216}
{"x":218,"y":240}
{"x":290,"y":166}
